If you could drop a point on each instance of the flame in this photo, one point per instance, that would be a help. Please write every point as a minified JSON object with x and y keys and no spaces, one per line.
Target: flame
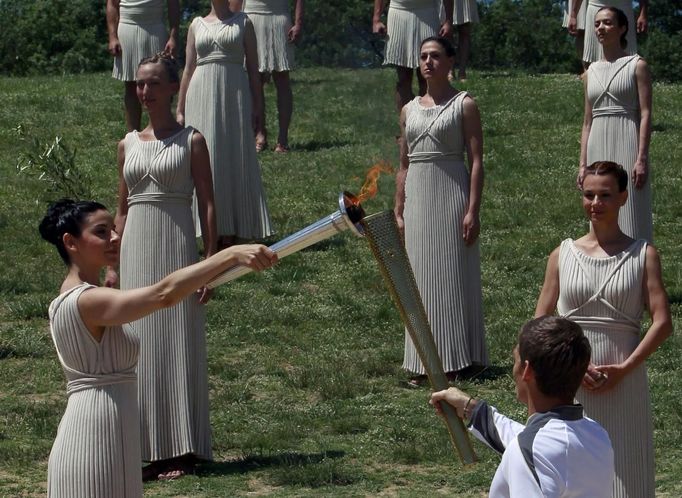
{"x":369,"y":188}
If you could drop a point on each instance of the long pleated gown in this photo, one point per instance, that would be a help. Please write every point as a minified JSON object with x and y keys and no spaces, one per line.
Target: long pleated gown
{"x":408,"y":23}
{"x":142,"y":33}
{"x":448,"y":272}
{"x":272,"y":22}
{"x":604,"y":296}
{"x":159,"y":239}
{"x":219,"y":106}
{"x":96,"y":453}
{"x":614,"y":135}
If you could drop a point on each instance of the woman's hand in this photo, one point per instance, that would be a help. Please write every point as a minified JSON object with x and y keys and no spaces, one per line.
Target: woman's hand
{"x":400,"y":222}
{"x":180,"y":118}
{"x":611,"y":375}
{"x":640,"y":173}
{"x":572,"y":25}
{"x":446,"y":30}
{"x":379,"y":28}
{"x":171,"y":47}
{"x":205,"y":294}
{"x":642,"y":23}
{"x":256,"y":256}
{"x":471,"y":227}
{"x":593,"y":378}
{"x":110,"y":277}
{"x":114,"y":46}
{"x":294,"y":33}
{"x":579,"y":179}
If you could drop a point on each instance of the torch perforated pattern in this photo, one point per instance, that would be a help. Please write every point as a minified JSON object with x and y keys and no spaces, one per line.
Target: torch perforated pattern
{"x":384,"y":239}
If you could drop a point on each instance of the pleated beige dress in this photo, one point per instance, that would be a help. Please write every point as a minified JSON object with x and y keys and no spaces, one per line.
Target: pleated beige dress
{"x":604,"y":296}
{"x":614,"y":135}
{"x":271,"y":21}
{"x":219,"y":106}
{"x":141,"y":32}
{"x":409,"y":22}
{"x":96,"y":453}
{"x":593,"y":50}
{"x":159,"y":239}
{"x":464,"y":12}
{"x":568,"y":7}
{"x":448,"y":272}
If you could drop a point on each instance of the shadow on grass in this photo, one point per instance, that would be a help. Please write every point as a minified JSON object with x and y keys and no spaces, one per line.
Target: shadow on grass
{"x":257,"y":462}
{"x":317,"y":145}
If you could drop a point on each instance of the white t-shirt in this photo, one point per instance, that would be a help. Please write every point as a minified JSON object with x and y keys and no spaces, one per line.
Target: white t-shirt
{"x":559,"y":453}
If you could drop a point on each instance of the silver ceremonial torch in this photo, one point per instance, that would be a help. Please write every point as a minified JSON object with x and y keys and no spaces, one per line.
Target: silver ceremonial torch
{"x":348,"y":217}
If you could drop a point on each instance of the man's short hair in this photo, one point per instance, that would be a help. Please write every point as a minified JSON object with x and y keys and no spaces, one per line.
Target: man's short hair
{"x":558,"y":352}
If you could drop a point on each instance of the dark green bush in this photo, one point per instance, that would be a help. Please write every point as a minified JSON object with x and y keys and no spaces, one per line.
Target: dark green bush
{"x":52,"y":36}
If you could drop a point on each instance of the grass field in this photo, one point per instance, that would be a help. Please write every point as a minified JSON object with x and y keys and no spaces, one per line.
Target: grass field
{"x":307,"y":394}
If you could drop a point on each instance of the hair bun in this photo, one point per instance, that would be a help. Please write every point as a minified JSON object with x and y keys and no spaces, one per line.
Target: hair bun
{"x":54,"y":218}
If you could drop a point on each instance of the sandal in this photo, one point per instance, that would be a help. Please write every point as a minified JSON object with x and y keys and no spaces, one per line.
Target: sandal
{"x":417,"y":381}
{"x":282,"y":149}
{"x":261,"y":146}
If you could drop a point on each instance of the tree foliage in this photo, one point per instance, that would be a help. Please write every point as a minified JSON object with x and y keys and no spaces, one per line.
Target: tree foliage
{"x":67,"y":36}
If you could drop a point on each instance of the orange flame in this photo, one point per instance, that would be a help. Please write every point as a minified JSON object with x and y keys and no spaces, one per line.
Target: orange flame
{"x":369,"y":188}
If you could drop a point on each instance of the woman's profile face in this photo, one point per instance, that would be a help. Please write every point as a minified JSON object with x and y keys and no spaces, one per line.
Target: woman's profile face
{"x":433,"y":61}
{"x":601,"y":198}
{"x":153,"y":86}
{"x":607,"y":28}
{"x":98,"y":242}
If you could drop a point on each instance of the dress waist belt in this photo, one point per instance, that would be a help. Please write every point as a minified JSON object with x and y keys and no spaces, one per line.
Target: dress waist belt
{"x":266,"y":6}
{"x":153,"y":197}
{"x":83,"y":383}
{"x":590,"y":322}
{"x":221,"y":59}
{"x":622,"y":5}
{"x":137,"y":15}
{"x":614,"y":110}
{"x":413,"y":4}
{"x":430,"y":157}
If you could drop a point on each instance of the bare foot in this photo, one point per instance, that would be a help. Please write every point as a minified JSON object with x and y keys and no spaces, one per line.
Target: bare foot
{"x":282,"y":149}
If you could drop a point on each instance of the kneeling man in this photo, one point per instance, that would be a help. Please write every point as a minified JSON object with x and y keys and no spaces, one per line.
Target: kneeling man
{"x":559,"y":452}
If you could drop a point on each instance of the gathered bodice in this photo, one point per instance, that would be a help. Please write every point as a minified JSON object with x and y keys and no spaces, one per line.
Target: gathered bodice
{"x":141,"y":11}
{"x":602,"y":292}
{"x":88,"y":363}
{"x":266,"y":6}
{"x":159,"y":169}
{"x":220,"y":41}
{"x":612,"y":87}
{"x":435,"y":133}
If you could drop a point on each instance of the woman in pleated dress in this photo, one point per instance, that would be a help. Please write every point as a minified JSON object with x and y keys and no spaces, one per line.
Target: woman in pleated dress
{"x":408,"y":23}
{"x":437,"y":203}
{"x":464,"y":14}
{"x":137,"y":29}
{"x":223,"y":101}
{"x":159,"y":169}
{"x":617,"y":120}
{"x":96,"y":453}
{"x":592,"y":50}
{"x":603,"y":281}
{"x":577,"y":30}
{"x":275,"y":36}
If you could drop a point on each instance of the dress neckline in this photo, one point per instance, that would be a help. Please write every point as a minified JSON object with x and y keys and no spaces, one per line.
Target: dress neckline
{"x":436,"y":106}
{"x":219,"y":20}
{"x":604,"y":258}
{"x":137,"y":135}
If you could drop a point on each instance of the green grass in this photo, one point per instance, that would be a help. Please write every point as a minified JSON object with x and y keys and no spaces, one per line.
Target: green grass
{"x":307,"y":394}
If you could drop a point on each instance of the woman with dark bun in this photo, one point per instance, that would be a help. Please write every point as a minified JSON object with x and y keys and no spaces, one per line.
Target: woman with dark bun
{"x":603,"y":281}
{"x":96,"y":452}
{"x":617,"y":121}
{"x":437,"y":201}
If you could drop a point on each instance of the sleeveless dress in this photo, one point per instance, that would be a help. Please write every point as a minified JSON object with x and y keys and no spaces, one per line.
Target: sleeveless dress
{"x":272,"y":22}
{"x":409,"y":22}
{"x":448,"y":273}
{"x":614,"y":136}
{"x":219,"y":106}
{"x":141,"y":32}
{"x":159,"y":239}
{"x":568,"y":7}
{"x":96,"y":453}
{"x":593,"y":50}
{"x":604,"y":296}
{"x":463,"y":12}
